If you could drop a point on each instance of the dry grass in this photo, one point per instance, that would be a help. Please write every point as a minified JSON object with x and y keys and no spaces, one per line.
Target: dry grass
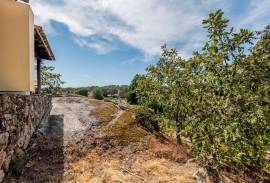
{"x":126,"y":130}
{"x":95,"y":169}
{"x":96,"y":102}
{"x":116,"y":150}
{"x":125,"y":152}
{"x":104,"y":111}
{"x":169,"y":151}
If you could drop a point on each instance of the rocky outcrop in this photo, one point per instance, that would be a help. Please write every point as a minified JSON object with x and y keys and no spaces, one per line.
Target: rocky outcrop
{"x":19,"y":118}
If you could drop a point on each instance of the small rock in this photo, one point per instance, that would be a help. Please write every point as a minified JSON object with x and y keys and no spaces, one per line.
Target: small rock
{"x":29,"y":164}
{"x":8,"y":116}
{"x":6,"y":163}
{"x":2,"y":175}
{"x":21,"y":140}
{"x":2,"y":157}
{"x":4,"y":140}
{"x":33,"y":145}
{"x":201,"y":175}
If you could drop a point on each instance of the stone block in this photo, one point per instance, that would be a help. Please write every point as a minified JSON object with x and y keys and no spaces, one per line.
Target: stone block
{"x":4,"y":140}
{"x":8,"y":117}
{"x":2,"y":175}
{"x":3,"y":155}
{"x":20,"y":141}
{"x":6,"y":163}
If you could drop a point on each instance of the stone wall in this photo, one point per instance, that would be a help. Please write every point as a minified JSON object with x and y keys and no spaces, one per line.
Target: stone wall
{"x":19,"y":118}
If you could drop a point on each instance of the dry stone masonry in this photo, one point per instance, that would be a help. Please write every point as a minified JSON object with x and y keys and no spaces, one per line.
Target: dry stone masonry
{"x":19,"y":118}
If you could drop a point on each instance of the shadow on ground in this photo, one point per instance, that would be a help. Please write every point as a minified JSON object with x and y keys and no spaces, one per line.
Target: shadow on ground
{"x":45,"y":154}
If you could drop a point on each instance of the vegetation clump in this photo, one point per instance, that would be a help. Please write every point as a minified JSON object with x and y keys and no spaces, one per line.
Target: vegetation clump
{"x":145,"y":116}
{"x":219,"y":98}
{"x":131,"y":95}
{"x":50,"y":81}
{"x":83,"y":92}
{"x":104,"y":112}
{"x":97,"y":94}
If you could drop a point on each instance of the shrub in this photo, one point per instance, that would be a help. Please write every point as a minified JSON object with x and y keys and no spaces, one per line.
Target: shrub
{"x":131,"y":93}
{"x":131,"y":97}
{"x":83,"y":92}
{"x":145,"y":116}
{"x":97,"y":94}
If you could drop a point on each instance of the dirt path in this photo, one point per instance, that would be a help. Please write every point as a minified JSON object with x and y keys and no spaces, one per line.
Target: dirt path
{"x":89,"y":141}
{"x":76,"y":118}
{"x":68,"y":122}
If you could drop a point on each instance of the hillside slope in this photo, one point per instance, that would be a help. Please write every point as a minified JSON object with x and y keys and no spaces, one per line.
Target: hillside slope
{"x":96,"y":142}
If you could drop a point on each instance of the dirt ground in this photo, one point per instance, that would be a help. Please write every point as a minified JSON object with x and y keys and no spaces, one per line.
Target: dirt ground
{"x":89,"y":141}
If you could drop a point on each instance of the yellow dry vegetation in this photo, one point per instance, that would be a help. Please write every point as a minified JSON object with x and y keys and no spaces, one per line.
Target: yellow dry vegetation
{"x":104,"y":111}
{"x":125,"y":152}
{"x":126,"y":130}
{"x":95,"y":169}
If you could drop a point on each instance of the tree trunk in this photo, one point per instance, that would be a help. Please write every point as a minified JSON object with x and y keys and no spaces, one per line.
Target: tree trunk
{"x":38,"y":76}
{"x":190,"y":139}
{"x":213,"y":173}
{"x":178,"y":132}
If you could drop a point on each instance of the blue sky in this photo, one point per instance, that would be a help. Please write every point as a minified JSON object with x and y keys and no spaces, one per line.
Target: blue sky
{"x":102,"y":42}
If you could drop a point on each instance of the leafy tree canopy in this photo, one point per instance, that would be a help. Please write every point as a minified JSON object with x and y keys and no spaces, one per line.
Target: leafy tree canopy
{"x":219,"y":97}
{"x":51,"y":82}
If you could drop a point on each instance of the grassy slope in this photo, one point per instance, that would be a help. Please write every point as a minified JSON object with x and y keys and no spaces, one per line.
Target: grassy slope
{"x":125,"y":152}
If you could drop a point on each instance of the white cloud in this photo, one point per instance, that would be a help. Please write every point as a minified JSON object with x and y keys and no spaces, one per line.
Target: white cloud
{"x":258,"y":15}
{"x":101,"y":46}
{"x":142,"y":24}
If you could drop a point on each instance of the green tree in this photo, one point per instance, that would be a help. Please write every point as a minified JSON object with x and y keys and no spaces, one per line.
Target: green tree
{"x":131,"y":95}
{"x":97,"y":93}
{"x":230,"y":126}
{"x":83,"y":92}
{"x":123,"y":91}
{"x":165,"y":90}
{"x":51,"y":82}
{"x":219,"y":98}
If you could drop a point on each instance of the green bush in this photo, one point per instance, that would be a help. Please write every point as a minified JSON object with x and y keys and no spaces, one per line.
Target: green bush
{"x":83,"y":92}
{"x":131,"y":93}
{"x":97,"y":94}
{"x":131,"y":98}
{"x":146,"y":117}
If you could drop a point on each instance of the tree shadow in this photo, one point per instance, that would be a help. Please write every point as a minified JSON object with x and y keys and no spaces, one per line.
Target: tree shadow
{"x":45,"y":154}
